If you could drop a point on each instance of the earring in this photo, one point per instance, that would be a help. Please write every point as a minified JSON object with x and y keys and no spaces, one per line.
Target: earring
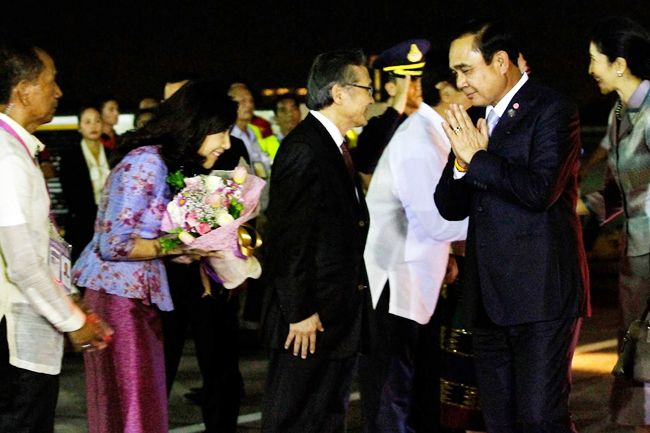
{"x":620,"y":74}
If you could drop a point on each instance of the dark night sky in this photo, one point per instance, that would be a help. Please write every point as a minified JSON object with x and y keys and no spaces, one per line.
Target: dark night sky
{"x":129,"y":48}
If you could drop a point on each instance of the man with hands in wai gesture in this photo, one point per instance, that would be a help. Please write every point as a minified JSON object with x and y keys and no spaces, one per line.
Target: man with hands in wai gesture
{"x":526,"y":282}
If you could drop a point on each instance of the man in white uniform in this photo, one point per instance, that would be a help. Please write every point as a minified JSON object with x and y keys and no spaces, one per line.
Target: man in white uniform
{"x":407,"y":251}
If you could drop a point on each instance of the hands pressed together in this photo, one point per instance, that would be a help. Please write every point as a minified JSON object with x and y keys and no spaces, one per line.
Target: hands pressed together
{"x":465,"y":138}
{"x":303,"y":335}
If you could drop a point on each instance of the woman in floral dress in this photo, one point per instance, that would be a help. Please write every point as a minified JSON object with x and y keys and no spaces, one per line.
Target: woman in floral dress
{"x":122,"y":268}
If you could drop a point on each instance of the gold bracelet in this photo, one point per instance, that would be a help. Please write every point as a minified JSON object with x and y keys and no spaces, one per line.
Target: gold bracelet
{"x":458,"y":167}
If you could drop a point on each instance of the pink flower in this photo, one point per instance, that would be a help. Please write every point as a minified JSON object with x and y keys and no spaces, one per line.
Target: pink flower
{"x":186,"y":238}
{"x":192,"y":181}
{"x":192,"y":219}
{"x":203,"y":228}
{"x":214,"y":200}
{"x":239,"y":174}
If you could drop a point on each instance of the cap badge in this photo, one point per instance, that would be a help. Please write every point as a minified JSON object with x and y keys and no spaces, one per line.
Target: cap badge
{"x":415,"y":55}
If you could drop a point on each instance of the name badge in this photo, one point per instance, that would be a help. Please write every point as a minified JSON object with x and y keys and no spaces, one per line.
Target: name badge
{"x":60,"y":263}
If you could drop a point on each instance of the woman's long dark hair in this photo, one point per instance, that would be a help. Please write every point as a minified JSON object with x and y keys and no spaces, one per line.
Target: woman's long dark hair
{"x":196,"y":110}
{"x":622,"y":37}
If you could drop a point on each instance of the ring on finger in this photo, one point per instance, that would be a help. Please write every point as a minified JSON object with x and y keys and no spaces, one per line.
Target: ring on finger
{"x":457,"y":129}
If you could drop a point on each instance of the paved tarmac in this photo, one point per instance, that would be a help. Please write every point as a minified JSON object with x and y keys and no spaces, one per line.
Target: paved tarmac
{"x":592,"y":381}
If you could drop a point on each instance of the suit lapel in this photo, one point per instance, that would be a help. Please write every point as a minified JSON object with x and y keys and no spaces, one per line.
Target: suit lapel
{"x":523,"y":101}
{"x":334,"y":157}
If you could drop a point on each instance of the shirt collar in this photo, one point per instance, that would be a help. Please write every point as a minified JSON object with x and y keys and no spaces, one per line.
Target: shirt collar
{"x":33,"y":144}
{"x":330,"y":126}
{"x":501,"y":106}
{"x":639,"y":95}
{"x":90,"y":158}
{"x":248,"y":135}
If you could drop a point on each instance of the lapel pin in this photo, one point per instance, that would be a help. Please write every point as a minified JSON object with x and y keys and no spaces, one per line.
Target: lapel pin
{"x":515,"y":105}
{"x":511,"y":113}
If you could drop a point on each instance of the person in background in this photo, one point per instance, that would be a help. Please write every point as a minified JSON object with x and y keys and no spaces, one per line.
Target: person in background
{"x":620,"y":62}
{"x":83,"y":170}
{"x":401,"y":68}
{"x":122,"y":267}
{"x":110,"y":112}
{"x":35,"y":312}
{"x":148,"y":103}
{"x":261,"y":149}
{"x":287,"y":114}
{"x":143,"y":116}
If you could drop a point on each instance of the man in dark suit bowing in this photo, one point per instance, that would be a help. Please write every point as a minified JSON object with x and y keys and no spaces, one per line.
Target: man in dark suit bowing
{"x":526,"y":286}
{"x":316,"y":231}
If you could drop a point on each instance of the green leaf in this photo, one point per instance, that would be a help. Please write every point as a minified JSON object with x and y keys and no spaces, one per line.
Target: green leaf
{"x":177,"y":180}
{"x":175,"y":231}
{"x":168,"y":244}
{"x":235,"y":208}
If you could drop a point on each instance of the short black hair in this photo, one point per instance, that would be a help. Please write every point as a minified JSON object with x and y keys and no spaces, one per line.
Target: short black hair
{"x":435,"y":70}
{"x":291,"y":96}
{"x":85,"y":107}
{"x":623,"y":37}
{"x":327,"y":70}
{"x":19,"y":61}
{"x":102,"y":100}
{"x":491,"y":37}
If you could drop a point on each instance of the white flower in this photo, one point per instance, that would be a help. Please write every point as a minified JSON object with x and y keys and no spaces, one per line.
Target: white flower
{"x":175,"y":213}
{"x":212,"y":183}
{"x":223,"y":217}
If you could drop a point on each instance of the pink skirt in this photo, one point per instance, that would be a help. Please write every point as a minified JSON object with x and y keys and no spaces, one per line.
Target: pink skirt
{"x":125,"y":383}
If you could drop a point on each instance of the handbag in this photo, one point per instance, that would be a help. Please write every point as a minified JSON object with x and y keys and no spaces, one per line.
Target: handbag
{"x":634,"y":355}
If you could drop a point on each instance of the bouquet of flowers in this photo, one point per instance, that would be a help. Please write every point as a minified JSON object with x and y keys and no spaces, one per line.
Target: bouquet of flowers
{"x":208,"y":213}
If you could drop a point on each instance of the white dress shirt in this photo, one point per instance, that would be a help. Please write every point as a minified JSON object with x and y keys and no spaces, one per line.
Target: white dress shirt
{"x":331,"y":128}
{"x":408,"y":241}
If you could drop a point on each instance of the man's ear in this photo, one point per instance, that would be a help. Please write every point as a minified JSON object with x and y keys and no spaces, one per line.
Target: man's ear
{"x":22,"y":91}
{"x":501,"y":61}
{"x":337,"y":93}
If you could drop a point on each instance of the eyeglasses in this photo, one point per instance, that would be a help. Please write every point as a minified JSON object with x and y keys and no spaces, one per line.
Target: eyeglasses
{"x":369,"y":89}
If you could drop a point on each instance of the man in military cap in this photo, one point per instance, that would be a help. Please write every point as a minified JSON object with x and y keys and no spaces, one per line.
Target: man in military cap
{"x":401,"y":67}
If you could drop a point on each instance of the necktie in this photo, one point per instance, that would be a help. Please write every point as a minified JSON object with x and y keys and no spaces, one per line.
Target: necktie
{"x":348,"y":159}
{"x":492,"y":120}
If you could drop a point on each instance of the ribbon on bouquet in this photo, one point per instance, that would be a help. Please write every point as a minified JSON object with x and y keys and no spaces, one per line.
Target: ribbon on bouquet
{"x":248,"y":240}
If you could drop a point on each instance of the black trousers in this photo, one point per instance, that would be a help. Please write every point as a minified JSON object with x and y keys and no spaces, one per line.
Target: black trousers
{"x":524,"y":375}
{"x":215,"y":327}
{"x":27,"y":399}
{"x":307,"y":395}
{"x":399,"y":376}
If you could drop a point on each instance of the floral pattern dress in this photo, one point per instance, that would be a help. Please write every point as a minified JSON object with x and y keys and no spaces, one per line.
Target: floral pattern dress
{"x":132,"y":205}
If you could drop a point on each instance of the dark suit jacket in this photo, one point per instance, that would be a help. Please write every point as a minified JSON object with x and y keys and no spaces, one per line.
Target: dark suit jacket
{"x":316,"y":233}
{"x":525,"y":258}
{"x":77,"y":190}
